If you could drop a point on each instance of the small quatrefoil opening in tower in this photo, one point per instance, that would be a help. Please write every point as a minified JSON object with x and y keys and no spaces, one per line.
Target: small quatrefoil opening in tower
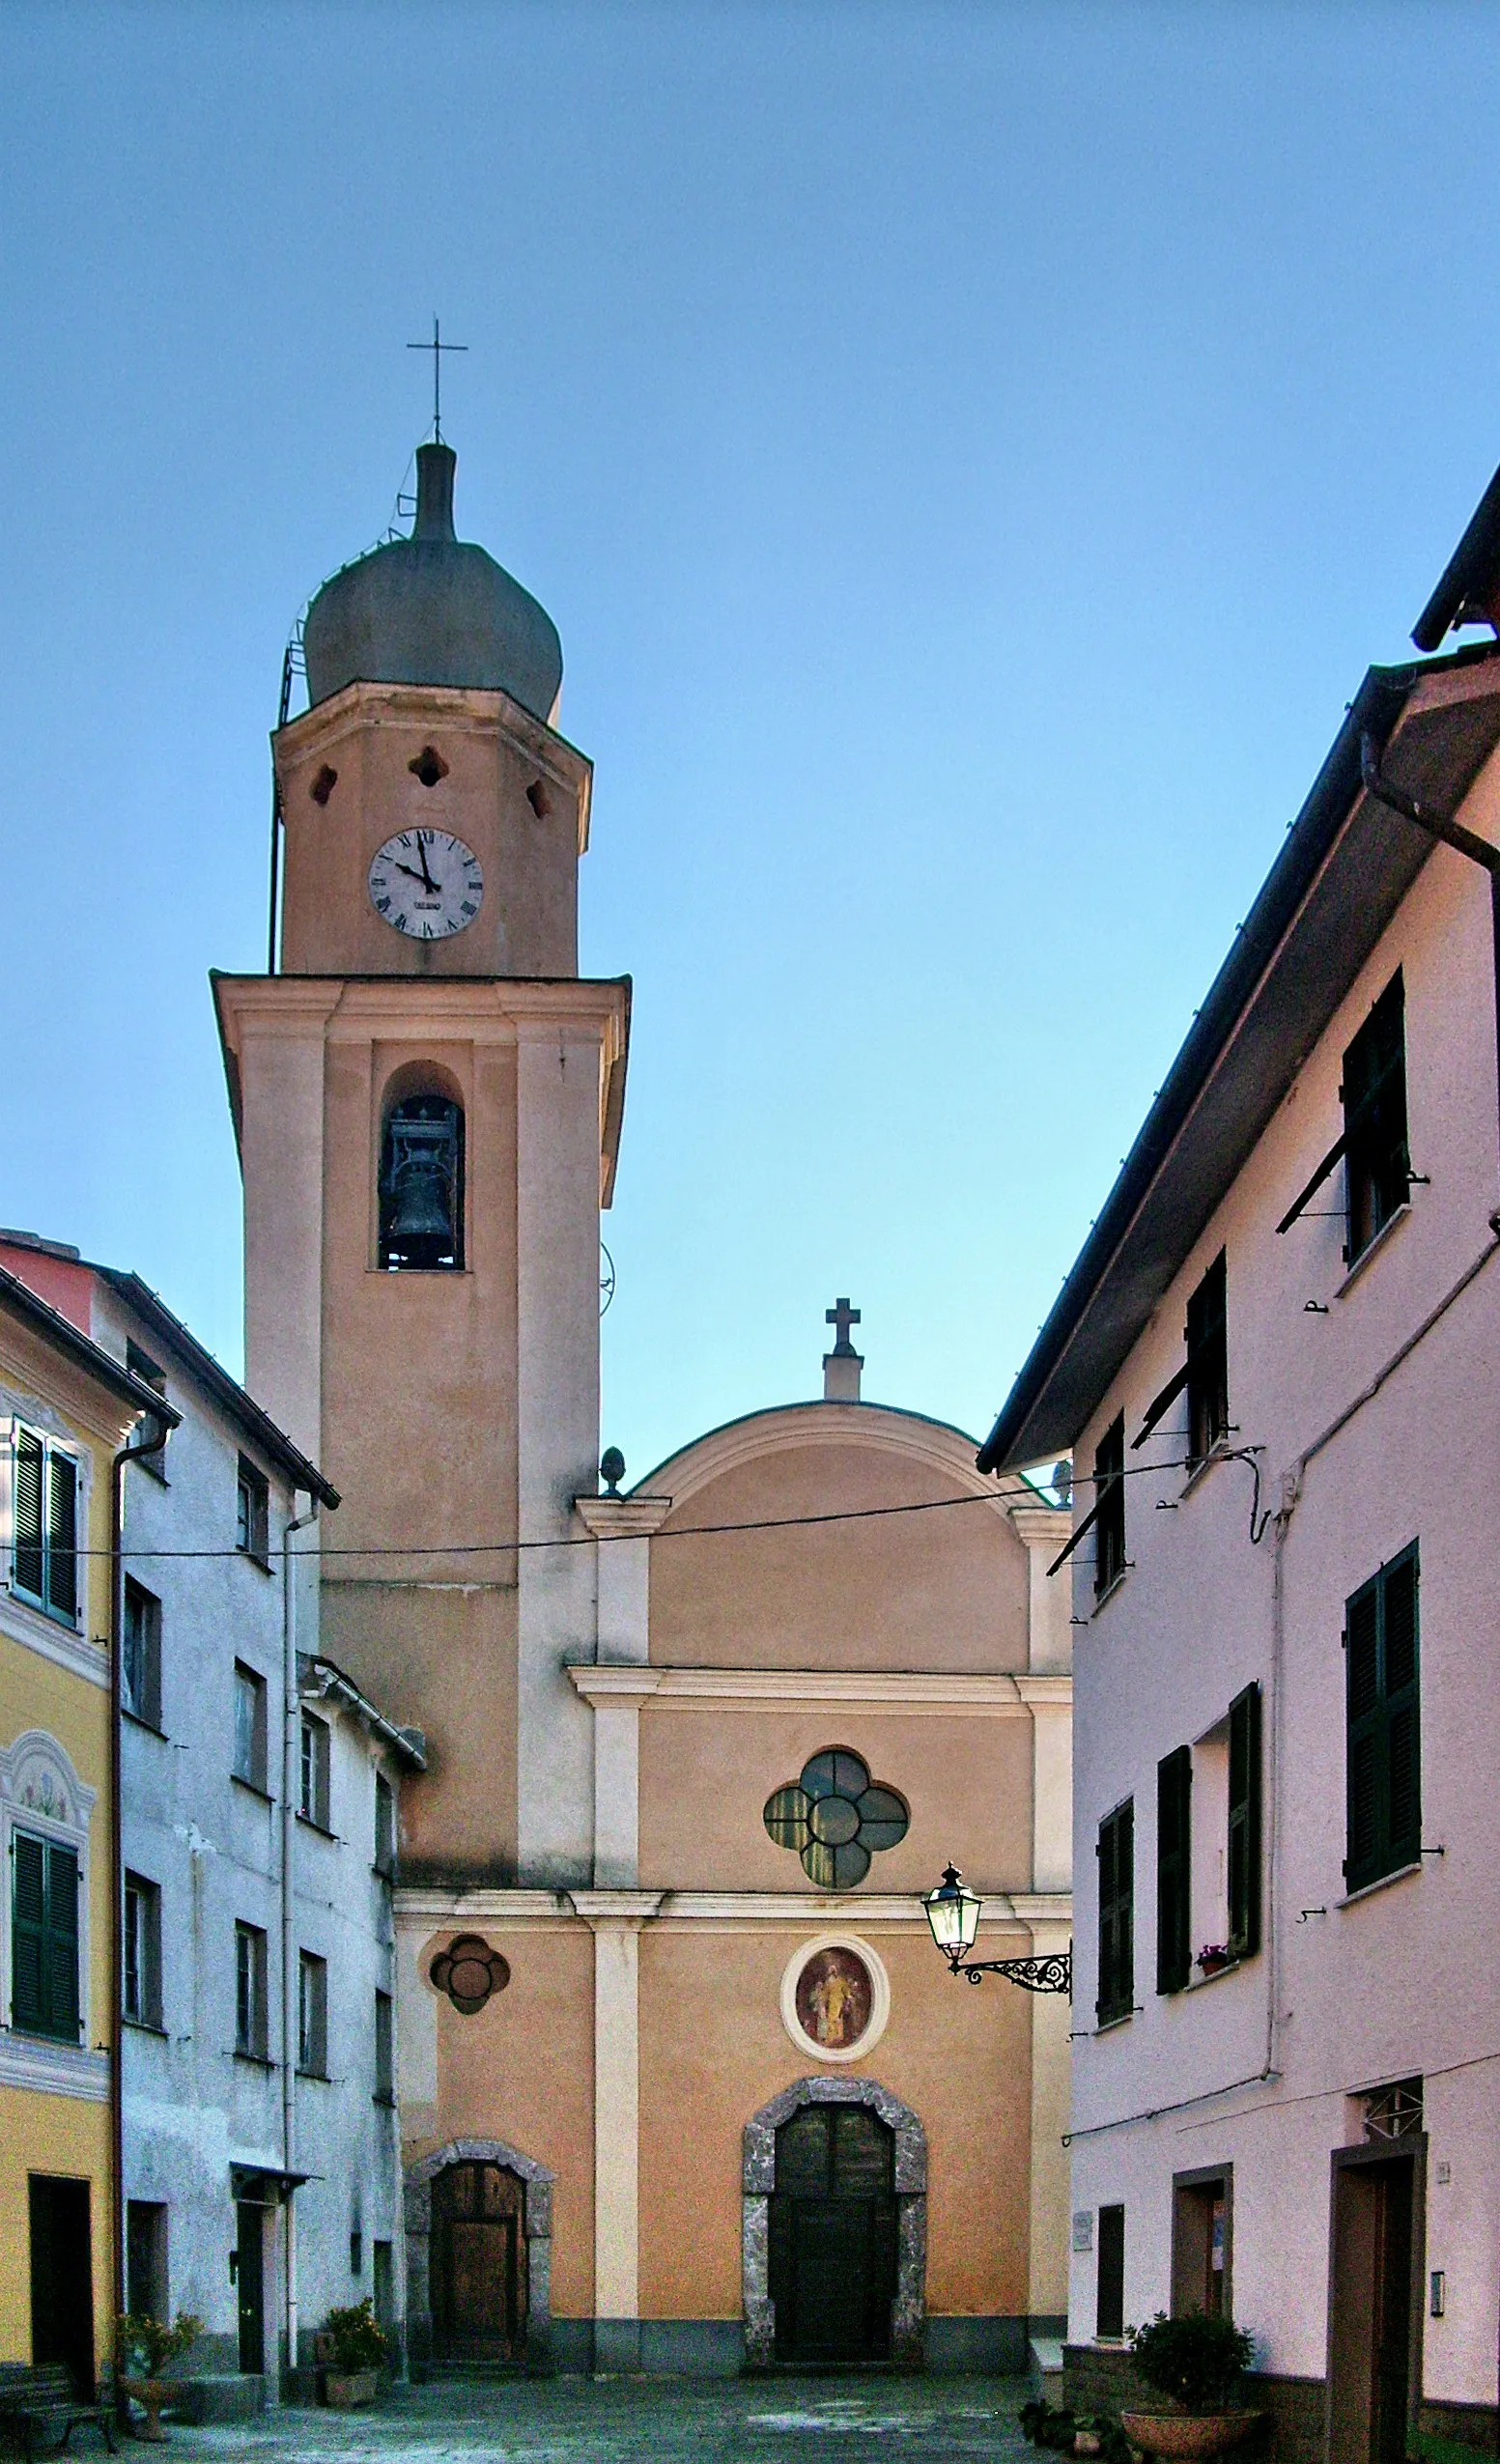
{"x":428,"y":766}
{"x":324,"y":784}
{"x":836,"y":1819}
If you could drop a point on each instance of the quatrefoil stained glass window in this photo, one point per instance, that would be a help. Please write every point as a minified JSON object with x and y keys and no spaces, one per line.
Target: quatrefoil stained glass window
{"x":836,"y":1819}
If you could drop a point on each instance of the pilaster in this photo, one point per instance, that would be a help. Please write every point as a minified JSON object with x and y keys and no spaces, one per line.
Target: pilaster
{"x":615,"y":1918}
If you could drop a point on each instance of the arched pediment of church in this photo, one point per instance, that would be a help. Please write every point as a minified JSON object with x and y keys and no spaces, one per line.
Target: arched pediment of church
{"x":880,"y":1547}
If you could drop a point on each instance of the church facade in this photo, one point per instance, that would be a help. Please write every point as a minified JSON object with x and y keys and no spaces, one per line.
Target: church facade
{"x":683,"y":2081}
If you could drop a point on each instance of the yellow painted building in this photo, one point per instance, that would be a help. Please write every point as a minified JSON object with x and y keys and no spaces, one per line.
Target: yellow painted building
{"x":66,"y":1409}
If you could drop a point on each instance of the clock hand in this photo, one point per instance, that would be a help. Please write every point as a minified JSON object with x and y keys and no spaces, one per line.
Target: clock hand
{"x":411,"y":872}
{"x":428,"y":881}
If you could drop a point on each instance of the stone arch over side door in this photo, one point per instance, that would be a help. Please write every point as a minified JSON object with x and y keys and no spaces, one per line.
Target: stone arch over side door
{"x":909,"y":2309}
{"x":537,"y":2183}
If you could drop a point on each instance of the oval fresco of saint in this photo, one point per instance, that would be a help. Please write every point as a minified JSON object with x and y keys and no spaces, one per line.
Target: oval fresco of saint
{"x":836,"y":1996}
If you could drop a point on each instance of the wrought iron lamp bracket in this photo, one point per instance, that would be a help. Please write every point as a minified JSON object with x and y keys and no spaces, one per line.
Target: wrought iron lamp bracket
{"x":1052,"y":1973}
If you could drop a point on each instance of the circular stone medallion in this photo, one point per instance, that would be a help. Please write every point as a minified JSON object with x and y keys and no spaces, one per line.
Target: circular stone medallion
{"x":835,"y":1998}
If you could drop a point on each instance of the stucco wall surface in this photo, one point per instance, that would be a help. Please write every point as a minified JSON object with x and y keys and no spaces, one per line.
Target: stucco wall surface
{"x":1261,"y":2065}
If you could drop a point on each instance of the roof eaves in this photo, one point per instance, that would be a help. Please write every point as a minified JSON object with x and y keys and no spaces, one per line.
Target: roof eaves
{"x":81,"y":1349}
{"x":225,"y":1390}
{"x":1471,"y":577}
{"x":1377,"y":707}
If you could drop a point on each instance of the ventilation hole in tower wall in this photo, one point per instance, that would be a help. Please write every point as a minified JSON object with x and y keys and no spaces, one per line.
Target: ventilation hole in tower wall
{"x":538,"y":799}
{"x":324,"y":784}
{"x":429,"y":766}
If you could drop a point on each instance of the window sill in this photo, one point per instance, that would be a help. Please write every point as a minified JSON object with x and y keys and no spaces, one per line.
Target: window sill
{"x":1107,"y":2026}
{"x":1217,"y":1453}
{"x":138,"y":1719}
{"x":1381,"y":1882}
{"x":387,"y":2101}
{"x":46,"y":2035}
{"x":1211,"y":1976}
{"x":253,"y":1557}
{"x":1102,"y":1598}
{"x":143,"y":2027}
{"x":39,"y":1608}
{"x":252,"y":1788}
{"x":385,"y":1874}
{"x":256,"y":2061}
{"x":1373,"y":1248}
{"x":320,"y":2076}
{"x":310,"y":1823}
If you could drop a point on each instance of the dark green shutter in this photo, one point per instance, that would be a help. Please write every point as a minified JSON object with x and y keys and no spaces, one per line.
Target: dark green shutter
{"x":1116,"y":1915}
{"x":62,"y":1942}
{"x":28,"y":1931}
{"x":1244,"y":1843}
{"x":1174,"y":1870}
{"x":1384,"y":1724}
{"x":27,"y":1561}
{"x":63,"y":1535}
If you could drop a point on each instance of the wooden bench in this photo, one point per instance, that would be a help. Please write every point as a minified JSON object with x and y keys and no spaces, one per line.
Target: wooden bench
{"x":41,"y":2403}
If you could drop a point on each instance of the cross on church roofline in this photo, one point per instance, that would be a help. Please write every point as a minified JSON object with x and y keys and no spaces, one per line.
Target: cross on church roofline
{"x":437,"y":347}
{"x":842,"y":1317}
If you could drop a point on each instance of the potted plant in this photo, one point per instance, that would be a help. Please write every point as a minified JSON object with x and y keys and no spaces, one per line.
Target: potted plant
{"x":1215,"y":1956}
{"x":1196,"y":2363}
{"x":357,"y":2348}
{"x":150,"y":2343}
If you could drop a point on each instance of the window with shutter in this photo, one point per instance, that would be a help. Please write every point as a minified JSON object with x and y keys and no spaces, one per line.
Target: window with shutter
{"x":1375,"y":1120}
{"x":1207,"y":1364}
{"x":44,"y":1936}
{"x":1174,"y":1870}
{"x":1383,"y":1747}
{"x":28,"y":1555}
{"x":1109,"y":1507}
{"x":1244,"y":1829}
{"x":44,"y":1508}
{"x":63,"y":1535}
{"x":1116,"y":1915}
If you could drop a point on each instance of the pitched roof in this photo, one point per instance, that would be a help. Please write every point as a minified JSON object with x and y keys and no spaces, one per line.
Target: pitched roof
{"x":81,"y":1349}
{"x":1347,"y":864}
{"x":241,"y":1407}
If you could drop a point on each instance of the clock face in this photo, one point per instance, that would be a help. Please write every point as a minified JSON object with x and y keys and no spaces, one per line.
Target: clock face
{"x":426,"y":884}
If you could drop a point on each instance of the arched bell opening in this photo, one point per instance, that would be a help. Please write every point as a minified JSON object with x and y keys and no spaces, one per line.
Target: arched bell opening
{"x":420,"y":1182}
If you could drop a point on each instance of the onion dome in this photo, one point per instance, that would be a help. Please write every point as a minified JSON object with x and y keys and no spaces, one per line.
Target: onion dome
{"x":432,"y":610}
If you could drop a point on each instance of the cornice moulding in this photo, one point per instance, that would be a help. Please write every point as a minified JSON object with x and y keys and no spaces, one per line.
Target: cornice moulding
{"x":983,"y":1695}
{"x":622,"y":1517}
{"x":429,"y":1911}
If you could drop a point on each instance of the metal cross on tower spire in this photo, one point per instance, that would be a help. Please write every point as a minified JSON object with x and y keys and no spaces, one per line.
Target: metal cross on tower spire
{"x":841,"y":1317}
{"x":437,"y":347}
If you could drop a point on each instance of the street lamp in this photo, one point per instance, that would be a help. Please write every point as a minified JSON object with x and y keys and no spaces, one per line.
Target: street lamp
{"x":953,"y":1914}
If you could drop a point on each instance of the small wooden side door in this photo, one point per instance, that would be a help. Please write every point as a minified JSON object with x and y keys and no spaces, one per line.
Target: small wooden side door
{"x":479,"y":2264}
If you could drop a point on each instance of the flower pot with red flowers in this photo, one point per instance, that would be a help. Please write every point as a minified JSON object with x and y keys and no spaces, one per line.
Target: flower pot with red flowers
{"x":1214,"y":1957}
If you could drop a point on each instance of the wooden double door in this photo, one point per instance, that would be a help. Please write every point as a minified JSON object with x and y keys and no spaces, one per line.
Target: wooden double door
{"x":479,"y":2264}
{"x":832,"y":2237}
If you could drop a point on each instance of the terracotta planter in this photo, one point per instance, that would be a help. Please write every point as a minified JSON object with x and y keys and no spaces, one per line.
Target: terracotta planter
{"x":151,"y":2393}
{"x":1188,"y":2434}
{"x":345,"y":2391}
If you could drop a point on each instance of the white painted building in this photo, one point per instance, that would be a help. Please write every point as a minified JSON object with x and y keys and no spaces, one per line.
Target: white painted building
{"x":259,"y":1825}
{"x":1276,"y":1361}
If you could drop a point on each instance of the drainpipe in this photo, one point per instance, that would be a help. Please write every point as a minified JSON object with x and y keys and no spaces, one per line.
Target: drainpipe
{"x":291,"y":1707}
{"x":125,"y":1455}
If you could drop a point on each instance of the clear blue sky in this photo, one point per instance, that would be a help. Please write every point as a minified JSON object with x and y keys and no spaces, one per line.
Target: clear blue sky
{"x":971,"y":454}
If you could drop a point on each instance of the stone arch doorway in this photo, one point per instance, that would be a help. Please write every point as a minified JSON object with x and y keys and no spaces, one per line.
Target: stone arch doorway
{"x":479,"y":2255}
{"x":835,"y":2227}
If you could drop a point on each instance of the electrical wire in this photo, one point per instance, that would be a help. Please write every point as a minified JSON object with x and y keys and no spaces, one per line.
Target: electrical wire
{"x":683,"y":1531}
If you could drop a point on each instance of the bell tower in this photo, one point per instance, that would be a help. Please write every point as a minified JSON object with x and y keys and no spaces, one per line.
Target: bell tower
{"x":427,"y":1098}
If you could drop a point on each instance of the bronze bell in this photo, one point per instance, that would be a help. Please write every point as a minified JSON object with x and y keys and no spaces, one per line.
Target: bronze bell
{"x":419,"y":1202}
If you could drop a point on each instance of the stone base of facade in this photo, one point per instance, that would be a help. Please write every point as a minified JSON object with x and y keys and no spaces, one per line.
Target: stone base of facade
{"x":715,"y":2347}
{"x":220,"y":2395}
{"x":1476,"y":2425}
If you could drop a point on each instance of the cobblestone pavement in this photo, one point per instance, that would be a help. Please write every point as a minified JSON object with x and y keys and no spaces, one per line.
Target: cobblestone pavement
{"x":655,"y":2420}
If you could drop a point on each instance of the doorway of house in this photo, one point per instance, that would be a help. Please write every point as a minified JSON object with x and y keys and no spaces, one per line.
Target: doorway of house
{"x":479,"y":2264}
{"x":62,"y":2278}
{"x":1372,"y":2317}
{"x":832,"y":2237}
{"x":250,"y":2284}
